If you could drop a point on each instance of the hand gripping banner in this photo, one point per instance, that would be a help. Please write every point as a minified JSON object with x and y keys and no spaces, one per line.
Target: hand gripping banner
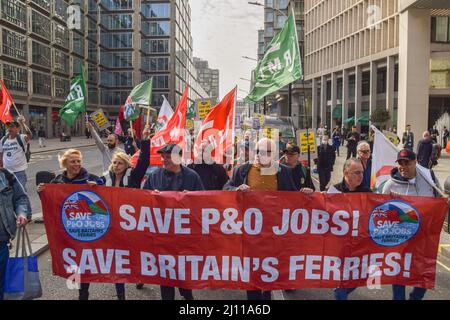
{"x":243,"y":241}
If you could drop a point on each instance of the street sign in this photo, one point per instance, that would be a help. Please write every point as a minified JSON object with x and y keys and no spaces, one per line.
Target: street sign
{"x":100,"y":120}
{"x":203,"y":108}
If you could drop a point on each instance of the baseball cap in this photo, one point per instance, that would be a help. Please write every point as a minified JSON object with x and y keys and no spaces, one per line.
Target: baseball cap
{"x":169,"y":148}
{"x":13,"y":122}
{"x":406,"y":154}
{"x":292,"y":149}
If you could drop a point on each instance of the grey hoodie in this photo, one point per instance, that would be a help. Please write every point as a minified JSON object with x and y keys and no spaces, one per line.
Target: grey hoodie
{"x":398,"y":184}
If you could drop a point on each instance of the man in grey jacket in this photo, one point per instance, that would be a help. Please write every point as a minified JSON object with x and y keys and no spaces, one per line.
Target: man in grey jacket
{"x":14,"y":212}
{"x":107,"y":151}
{"x":406,"y":179}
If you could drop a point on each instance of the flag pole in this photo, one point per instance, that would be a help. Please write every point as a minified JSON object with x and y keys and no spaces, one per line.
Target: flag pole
{"x":17,"y":110}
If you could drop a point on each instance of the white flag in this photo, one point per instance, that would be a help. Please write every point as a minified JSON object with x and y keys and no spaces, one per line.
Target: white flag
{"x":165,"y":114}
{"x":384,"y":156}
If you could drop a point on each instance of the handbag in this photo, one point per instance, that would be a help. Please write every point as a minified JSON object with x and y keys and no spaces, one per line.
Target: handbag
{"x":22,"y":275}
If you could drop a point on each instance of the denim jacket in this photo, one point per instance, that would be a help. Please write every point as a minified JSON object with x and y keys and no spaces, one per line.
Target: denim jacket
{"x":13,"y":202}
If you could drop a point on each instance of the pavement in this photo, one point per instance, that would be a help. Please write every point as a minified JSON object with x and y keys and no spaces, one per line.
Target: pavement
{"x":36,"y":228}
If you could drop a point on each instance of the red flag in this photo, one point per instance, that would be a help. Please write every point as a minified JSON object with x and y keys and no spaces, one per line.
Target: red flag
{"x":172,"y":133}
{"x":218,"y":129}
{"x":5,"y":104}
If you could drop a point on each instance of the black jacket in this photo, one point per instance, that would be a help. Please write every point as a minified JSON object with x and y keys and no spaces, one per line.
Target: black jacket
{"x":239,"y":177}
{"x":424,"y":151}
{"x":342,"y":187}
{"x":326,"y":157}
{"x":128,"y":144}
{"x":82,"y":178}
{"x":352,"y":143}
{"x":161,"y":180}
{"x":213,"y":175}
{"x":302,"y":177}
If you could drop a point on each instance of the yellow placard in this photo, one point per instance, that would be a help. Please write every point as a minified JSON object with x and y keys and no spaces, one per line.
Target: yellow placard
{"x":203,"y":108}
{"x":305,"y":139}
{"x":269,"y":132}
{"x":100,"y":119}
{"x":392,"y":137}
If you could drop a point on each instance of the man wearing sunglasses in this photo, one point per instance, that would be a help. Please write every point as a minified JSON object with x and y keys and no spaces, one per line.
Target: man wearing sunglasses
{"x":364,"y":154}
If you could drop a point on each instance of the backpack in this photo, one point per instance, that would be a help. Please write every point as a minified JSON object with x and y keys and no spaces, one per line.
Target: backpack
{"x":20,"y":142}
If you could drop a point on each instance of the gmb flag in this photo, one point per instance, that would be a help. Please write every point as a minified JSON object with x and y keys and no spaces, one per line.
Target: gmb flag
{"x":280,"y":64}
{"x":140,"y":95}
{"x":76,"y":100}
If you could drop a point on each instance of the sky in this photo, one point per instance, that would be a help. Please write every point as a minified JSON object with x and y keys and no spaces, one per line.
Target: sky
{"x":223,"y":32}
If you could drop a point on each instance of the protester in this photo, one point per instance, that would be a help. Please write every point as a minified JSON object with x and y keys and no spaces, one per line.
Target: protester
{"x":87,"y":132}
{"x":424,"y":150}
{"x":445,"y":136}
{"x":336,"y":139}
{"x":71,"y":162}
{"x":12,"y":150}
{"x":213,"y":175}
{"x":408,"y":138}
{"x":41,"y":136}
{"x":107,"y":152}
{"x":15,"y":212}
{"x":352,"y":183}
{"x":130,"y":143}
{"x":173,"y":177}
{"x":365,"y":155}
{"x":325,"y":162}
{"x":300,"y":174}
{"x":434,"y":134}
{"x":407,"y":181}
{"x":352,"y":141}
{"x":265,"y":174}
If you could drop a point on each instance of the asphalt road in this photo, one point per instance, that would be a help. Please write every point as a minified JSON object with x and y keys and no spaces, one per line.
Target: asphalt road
{"x":55,"y":288}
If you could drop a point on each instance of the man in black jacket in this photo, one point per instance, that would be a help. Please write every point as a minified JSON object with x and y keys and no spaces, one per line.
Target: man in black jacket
{"x":325,"y":162}
{"x":352,"y":141}
{"x":408,"y":138}
{"x":213,"y":175}
{"x":300,"y":174}
{"x":173,"y":177}
{"x":425,"y":150}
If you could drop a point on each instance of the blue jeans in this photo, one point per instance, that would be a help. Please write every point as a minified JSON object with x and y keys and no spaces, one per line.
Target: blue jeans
{"x":398,"y":293}
{"x":22,"y":178}
{"x":342,"y":293}
{"x":4,"y":255}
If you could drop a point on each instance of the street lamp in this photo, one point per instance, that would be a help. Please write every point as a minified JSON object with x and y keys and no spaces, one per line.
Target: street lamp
{"x":256,"y":3}
{"x":246,"y":79}
{"x":248,"y":58}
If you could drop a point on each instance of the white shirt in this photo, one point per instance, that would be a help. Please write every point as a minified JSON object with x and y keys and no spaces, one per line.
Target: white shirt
{"x":14,"y":158}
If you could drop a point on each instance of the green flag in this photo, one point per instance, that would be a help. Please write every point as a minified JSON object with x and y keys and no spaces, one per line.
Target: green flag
{"x":76,"y":100}
{"x":280,"y":65}
{"x":191,"y":114}
{"x":140,"y":95}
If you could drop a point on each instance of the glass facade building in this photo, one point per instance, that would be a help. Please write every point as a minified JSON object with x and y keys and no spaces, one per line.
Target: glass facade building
{"x":119,"y":42}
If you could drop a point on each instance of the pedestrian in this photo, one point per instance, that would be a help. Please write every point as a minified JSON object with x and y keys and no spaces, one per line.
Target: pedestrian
{"x":87,"y":132}
{"x":264,"y":174}
{"x":424,"y":150}
{"x":74,"y":173}
{"x":301,"y":175}
{"x":351,"y":183}
{"x":108,"y":150}
{"x":130,"y":142}
{"x":173,"y":177}
{"x":320,"y":132}
{"x":213,"y":175}
{"x":326,"y":157}
{"x":14,"y":212}
{"x":365,"y":155}
{"x":445,"y":136}
{"x":352,"y":141}
{"x":435,"y":155}
{"x":405,"y":180}
{"x":41,"y":136}
{"x":408,"y":138}
{"x":434,"y":134}
{"x":343,"y":135}
{"x":281,"y":144}
{"x":336,"y":139}
{"x":12,"y":150}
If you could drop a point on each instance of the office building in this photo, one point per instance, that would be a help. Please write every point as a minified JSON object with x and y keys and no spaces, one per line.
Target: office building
{"x":208,"y":78}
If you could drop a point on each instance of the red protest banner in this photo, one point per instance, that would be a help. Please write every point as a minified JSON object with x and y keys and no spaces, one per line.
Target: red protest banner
{"x":235,"y":240}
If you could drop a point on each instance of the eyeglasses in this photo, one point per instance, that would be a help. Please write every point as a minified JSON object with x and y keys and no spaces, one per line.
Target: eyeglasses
{"x":357,"y":173}
{"x":365,"y":151}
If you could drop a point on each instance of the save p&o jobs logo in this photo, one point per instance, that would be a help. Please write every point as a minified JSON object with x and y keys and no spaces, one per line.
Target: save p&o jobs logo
{"x":85,"y":216}
{"x":393,"y":223}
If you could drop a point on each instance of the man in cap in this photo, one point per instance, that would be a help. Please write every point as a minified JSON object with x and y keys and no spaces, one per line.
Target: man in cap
{"x":12,"y":149}
{"x":300,"y":174}
{"x":173,"y":177}
{"x":409,"y":180}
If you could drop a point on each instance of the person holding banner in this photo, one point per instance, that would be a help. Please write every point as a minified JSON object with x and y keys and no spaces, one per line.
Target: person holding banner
{"x":173,"y":177}
{"x":407,"y":180}
{"x":300,"y":174}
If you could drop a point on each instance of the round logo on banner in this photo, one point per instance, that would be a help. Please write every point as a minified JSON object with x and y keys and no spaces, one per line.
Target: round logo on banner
{"x":393,"y":223}
{"x":85,"y":216}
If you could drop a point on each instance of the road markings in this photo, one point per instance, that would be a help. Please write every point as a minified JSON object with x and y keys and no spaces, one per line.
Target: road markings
{"x":443,"y":265}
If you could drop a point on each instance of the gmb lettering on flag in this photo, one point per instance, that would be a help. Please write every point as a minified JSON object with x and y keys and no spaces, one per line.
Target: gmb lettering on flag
{"x":241,"y":241}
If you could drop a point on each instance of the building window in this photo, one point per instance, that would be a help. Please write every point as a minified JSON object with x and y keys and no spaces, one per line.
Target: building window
{"x":92,"y":51}
{"x":118,"y":4}
{"x":116,"y":79}
{"x":440,"y":29}
{"x":41,"y":54}
{"x":40,"y":25}
{"x":45,"y":4}
{"x":61,"y":35}
{"x":155,"y":28}
{"x":117,"y":40}
{"x":60,"y":9}
{"x":16,"y":78}
{"x":15,"y":12}
{"x":440,"y":73}
{"x":155,"y":10}
{"x":42,"y":84}
{"x":117,"y":21}
{"x":117,"y":59}
{"x":92,"y":73}
{"x":62,"y":87}
{"x":161,"y":82}
{"x":155,"y":46}
{"x":60,"y":61}
{"x":151,"y":64}
{"x":93,"y":95}
{"x":92,"y":30}
{"x":14,"y":45}
{"x":381,"y":80}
